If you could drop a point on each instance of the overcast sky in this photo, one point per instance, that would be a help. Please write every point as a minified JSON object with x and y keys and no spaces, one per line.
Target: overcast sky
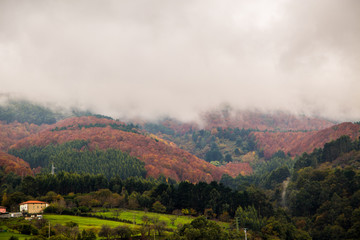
{"x":154,"y":57}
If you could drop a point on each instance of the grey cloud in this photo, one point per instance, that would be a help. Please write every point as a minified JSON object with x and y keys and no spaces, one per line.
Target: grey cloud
{"x":178,"y":58}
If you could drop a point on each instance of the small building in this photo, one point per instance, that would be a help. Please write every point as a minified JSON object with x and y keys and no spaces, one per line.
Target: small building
{"x":33,"y":207}
{"x":2,"y":209}
{"x":11,"y":215}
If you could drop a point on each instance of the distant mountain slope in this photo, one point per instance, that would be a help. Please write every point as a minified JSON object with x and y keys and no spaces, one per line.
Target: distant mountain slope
{"x":12,"y":132}
{"x":24,"y":111}
{"x":296,"y":143}
{"x":279,"y":121}
{"x":227,"y":135}
{"x":13,"y":164}
{"x":229,"y":118}
{"x":159,"y":157}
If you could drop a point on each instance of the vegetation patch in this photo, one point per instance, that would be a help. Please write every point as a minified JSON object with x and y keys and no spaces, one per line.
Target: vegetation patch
{"x":75,"y":156}
{"x":138,"y":217}
{"x":83,"y":222}
{"x":8,"y":235}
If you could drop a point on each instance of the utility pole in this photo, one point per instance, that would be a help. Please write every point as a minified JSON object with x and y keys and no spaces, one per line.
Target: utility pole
{"x":49,"y":229}
{"x":245,"y":234}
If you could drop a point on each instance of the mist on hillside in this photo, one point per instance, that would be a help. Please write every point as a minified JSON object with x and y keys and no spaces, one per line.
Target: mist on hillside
{"x":141,"y":59}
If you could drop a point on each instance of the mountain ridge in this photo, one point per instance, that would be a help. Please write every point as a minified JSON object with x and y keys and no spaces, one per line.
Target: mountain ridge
{"x":159,"y":157}
{"x":164,"y":156}
{"x":295,"y":143}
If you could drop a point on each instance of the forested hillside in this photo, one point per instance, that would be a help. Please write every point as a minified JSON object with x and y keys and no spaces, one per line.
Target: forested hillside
{"x":280,"y":184}
{"x":24,"y":111}
{"x":295,"y":143}
{"x":75,"y":156}
{"x":277,"y":121}
{"x":168,"y":147}
{"x":14,"y":164}
{"x":159,"y":156}
{"x":227,"y":117}
{"x":222,"y":145}
{"x":324,"y":192}
{"x":217,"y":145}
{"x":319,"y":190}
{"x":317,"y":196}
{"x":12,"y":132}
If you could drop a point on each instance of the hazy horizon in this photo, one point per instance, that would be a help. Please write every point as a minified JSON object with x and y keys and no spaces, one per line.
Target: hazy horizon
{"x":151,"y":59}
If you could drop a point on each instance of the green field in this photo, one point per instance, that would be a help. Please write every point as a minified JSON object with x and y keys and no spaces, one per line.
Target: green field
{"x":172,"y":221}
{"x":83,"y":222}
{"x":136,"y":216}
{"x":7,"y":235}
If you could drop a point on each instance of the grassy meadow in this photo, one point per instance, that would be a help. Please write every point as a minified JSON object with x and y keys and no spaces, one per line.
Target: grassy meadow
{"x":83,"y":222}
{"x":7,"y":235}
{"x":135,"y":216}
{"x":133,"y":219}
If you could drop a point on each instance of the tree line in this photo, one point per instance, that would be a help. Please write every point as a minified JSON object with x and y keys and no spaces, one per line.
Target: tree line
{"x":212,"y":200}
{"x":137,"y":193}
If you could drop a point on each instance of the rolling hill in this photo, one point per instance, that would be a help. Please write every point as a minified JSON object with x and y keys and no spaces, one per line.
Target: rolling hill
{"x":14,"y":164}
{"x":277,"y":121}
{"x":10,"y":133}
{"x":160,"y":156}
{"x":242,"y":119}
{"x":229,"y":139}
{"x":295,"y":143}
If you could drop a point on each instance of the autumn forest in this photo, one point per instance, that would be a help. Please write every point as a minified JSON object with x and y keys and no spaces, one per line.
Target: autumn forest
{"x":278,"y":175}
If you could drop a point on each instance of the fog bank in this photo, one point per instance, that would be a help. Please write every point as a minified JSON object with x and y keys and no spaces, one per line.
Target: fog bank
{"x":178,"y":58}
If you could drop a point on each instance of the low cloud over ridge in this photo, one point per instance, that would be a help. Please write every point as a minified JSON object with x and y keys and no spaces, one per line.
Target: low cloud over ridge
{"x":154,"y":58}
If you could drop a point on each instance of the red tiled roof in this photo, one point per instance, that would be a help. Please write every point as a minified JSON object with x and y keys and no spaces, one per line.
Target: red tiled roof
{"x":32,"y":201}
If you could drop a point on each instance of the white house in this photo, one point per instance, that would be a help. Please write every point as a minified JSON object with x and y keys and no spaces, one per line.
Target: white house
{"x":33,"y":206}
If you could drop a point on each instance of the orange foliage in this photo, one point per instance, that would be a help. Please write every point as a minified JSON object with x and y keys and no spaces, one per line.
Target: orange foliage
{"x":159,"y":157}
{"x":12,"y":132}
{"x":234,"y":169}
{"x":11,"y":163}
{"x":296,"y":143}
{"x":178,"y":127}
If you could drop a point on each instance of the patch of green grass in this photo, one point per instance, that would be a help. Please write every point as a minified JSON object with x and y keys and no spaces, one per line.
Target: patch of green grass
{"x":136,"y":216}
{"x":7,"y":235}
{"x":83,"y":222}
{"x":172,"y":221}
